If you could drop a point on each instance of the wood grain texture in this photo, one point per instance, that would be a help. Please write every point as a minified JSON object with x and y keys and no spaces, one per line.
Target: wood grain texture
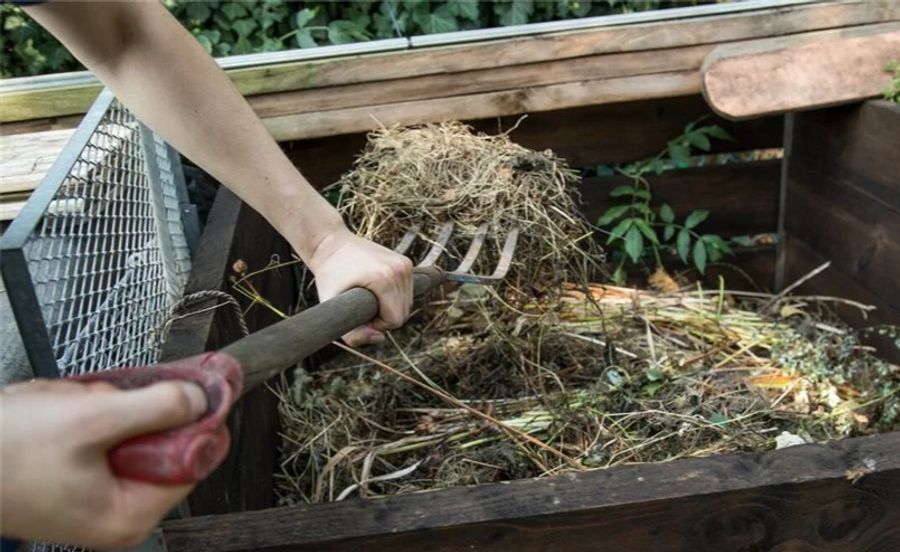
{"x":583,"y":136}
{"x":489,"y":104}
{"x":25,"y":159}
{"x":801,"y":72}
{"x":843,"y":205}
{"x":843,"y":196}
{"x":801,"y":258}
{"x":233,"y":230}
{"x":796,"y":499}
{"x":473,"y":62}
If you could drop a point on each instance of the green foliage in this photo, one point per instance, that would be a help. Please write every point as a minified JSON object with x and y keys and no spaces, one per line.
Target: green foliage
{"x":27,"y":49}
{"x":892,"y":92}
{"x":639,"y":229}
{"x":248,"y":26}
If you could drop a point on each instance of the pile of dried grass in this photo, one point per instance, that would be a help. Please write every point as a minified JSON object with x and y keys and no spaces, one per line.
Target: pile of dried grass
{"x":619,"y":377}
{"x":429,"y":175}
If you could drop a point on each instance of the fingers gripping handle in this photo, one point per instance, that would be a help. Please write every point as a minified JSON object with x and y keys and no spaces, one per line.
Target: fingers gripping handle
{"x":188,"y":453}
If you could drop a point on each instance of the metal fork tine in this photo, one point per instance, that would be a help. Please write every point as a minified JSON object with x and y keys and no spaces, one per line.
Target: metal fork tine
{"x":407,"y":240}
{"x":506,"y":255}
{"x":503,"y":265}
{"x":439,"y":245}
{"x":473,"y":251}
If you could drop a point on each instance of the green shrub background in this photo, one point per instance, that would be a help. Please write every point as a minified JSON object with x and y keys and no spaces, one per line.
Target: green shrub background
{"x":249,"y":26}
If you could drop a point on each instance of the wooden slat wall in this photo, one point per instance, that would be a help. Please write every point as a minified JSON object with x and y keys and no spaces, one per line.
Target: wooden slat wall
{"x":491,"y":78}
{"x":843,"y":205}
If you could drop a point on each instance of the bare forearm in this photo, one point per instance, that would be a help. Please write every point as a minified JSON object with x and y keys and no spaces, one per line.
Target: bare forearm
{"x":173,"y":86}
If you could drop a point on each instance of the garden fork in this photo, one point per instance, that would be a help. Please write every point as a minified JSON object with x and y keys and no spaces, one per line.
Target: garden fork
{"x":188,"y":454}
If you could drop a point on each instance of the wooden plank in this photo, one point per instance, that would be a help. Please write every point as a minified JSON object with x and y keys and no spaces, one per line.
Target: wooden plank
{"x":26,"y":158}
{"x":741,"y":197}
{"x":583,"y":136}
{"x":853,"y":231}
{"x":800,"y":72}
{"x":32,"y":104}
{"x":801,"y":258}
{"x":842,"y":192}
{"x":856,"y":145}
{"x":799,"y":498}
{"x":843,"y":205}
{"x":483,"y":80}
{"x":244,"y":481}
{"x":477,"y":106}
{"x":10,"y":210}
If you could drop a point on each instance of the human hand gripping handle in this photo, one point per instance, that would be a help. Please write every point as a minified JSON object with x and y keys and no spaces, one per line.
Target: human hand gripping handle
{"x":55,"y":437}
{"x":189,"y":453}
{"x":185,"y":454}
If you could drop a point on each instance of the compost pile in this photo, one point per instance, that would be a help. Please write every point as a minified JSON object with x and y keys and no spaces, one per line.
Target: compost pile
{"x":551,"y":372}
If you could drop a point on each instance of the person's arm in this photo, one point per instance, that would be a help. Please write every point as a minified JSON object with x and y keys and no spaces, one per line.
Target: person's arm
{"x":157,"y":69}
{"x":56,"y":482}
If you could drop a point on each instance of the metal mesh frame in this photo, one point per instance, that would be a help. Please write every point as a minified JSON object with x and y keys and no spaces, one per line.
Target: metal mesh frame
{"x":99,"y":253}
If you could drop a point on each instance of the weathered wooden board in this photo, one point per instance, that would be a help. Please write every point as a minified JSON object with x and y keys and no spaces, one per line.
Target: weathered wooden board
{"x":233,"y":230}
{"x":488,"y":104}
{"x":389,"y":71}
{"x":801,"y":72}
{"x":583,"y":136}
{"x":843,"y":204}
{"x":799,"y":498}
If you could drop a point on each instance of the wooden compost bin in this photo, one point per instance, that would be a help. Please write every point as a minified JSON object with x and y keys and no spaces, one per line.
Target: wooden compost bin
{"x":841,"y":201}
{"x":609,"y":93}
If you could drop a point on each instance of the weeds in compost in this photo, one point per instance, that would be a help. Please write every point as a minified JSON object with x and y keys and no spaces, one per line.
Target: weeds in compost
{"x":614,"y":376}
{"x":551,"y":372}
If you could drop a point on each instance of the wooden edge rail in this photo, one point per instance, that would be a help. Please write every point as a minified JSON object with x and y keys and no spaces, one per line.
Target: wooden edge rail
{"x":24,"y":103}
{"x":843,"y":495}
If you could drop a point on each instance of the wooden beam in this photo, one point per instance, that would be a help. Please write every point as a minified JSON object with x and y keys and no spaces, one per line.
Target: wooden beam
{"x":841,"y":496}
{"x":801,"y":72}
{"x":477,"y":106}
{"x":36,"y":103}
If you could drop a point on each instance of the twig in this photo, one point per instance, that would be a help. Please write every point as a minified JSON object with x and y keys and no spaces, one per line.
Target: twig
{"x":810,"y":275}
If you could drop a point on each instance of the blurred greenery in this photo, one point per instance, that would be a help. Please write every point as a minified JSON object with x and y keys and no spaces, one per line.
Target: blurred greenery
{"x":248,"y":26}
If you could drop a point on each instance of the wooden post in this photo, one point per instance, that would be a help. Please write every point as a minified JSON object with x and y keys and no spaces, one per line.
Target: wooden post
{"x":235,"y":231}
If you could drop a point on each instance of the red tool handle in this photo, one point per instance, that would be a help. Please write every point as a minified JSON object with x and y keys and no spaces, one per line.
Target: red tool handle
{"x":188,"y":453}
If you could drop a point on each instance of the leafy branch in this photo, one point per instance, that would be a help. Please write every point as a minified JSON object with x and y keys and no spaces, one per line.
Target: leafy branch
{"x":638,"y":228}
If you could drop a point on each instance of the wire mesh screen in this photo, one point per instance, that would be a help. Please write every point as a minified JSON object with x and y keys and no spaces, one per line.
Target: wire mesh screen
{"x":106,"y":254}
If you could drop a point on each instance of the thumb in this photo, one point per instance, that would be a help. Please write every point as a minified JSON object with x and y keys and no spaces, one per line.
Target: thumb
{"x":151,"y":409}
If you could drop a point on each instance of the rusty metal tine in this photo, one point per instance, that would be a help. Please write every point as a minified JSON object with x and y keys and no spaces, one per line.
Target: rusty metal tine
{"x":473,"y":251}
{"x":439,"y":245}
{"x":407,"y":240}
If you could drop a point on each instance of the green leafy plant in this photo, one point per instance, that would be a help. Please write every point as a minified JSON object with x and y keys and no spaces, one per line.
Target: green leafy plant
{"x":638,"y":228}
{"x":892,"y":92}
{"x":227,"y":27}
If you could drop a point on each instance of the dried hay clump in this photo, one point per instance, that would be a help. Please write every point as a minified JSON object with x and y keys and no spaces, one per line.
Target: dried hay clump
{"x":439,"y":173}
